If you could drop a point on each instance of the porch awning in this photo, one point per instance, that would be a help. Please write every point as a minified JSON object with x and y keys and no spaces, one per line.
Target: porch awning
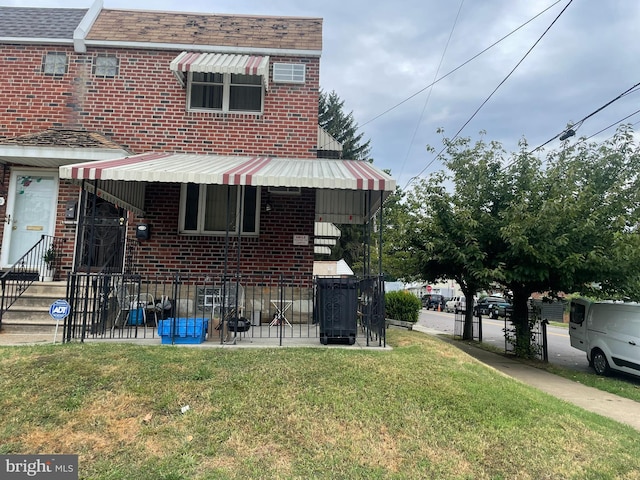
{"x":220,"y":63}
{"x":234,"y":170}
{"x":340,"y":184}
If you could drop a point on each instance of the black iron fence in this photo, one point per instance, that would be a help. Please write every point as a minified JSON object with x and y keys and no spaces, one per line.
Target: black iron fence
{"x":225,"y":309}
{"x":537,"y":345}
{"x":475,"y":328}
{"x":535,"y":348}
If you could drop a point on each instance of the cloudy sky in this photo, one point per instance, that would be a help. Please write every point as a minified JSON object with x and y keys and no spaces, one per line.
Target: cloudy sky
{"x":381,"y":57}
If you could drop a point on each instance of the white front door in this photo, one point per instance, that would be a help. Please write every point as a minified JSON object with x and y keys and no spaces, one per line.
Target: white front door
{"x":31,"y":212}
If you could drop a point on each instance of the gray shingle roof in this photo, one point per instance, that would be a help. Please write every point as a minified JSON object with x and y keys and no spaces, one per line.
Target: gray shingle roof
{"x":52,"y":23}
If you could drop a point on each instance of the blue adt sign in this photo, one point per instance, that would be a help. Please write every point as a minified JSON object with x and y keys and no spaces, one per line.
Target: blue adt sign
{"x":59,"y":309}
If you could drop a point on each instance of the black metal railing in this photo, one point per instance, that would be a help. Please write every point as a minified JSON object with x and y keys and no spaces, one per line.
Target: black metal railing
{"x":40,"y":263}
{"x":536,"y":346}
{"x":274,"y":308}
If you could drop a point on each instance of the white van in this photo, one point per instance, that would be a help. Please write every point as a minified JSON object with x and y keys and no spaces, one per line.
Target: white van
{"x":450,"y":306}
{"x":609,"y":332}
{"x":461,"y":305}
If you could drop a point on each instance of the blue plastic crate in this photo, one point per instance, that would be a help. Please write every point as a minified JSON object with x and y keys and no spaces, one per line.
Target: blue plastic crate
{"x":183,"y":330}
{"x":136,"y":317}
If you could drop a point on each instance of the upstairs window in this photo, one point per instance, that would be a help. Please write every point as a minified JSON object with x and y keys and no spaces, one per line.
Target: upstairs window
{"x":105,"y":66}
{"x":55,"y":63}
{"x":205,"y":209}
{"x":225,"y":92}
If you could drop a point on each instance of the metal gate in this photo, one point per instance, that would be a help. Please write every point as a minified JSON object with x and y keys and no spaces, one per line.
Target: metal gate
{"x":101,"y":236}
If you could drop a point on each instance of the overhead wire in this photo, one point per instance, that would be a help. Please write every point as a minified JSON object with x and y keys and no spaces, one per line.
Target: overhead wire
{"x":612,"y":125}
{"x":435,"y":76}
{"x":500,"y":40}
{"x":493,"y":92}
{"x":579,"y":123}
{"x":461,"y":65}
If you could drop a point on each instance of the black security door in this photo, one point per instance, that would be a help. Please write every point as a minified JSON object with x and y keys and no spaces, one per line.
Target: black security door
{"x":101,"y":236}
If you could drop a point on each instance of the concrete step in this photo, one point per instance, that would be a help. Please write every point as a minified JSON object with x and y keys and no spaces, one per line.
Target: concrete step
{"x":47,"y":289}
{"x":31,"y":327}
{"x":30,"y":313}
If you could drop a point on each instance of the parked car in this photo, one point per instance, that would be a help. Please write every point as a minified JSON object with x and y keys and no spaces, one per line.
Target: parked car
{"x":450,"y":305}
{"x":502,"y":309}
{"x":487,"y":306}
{"x":425,"y":300}
{"x":432,"y":300}
{"x":461,"y":305}
{"x":437,"y":303}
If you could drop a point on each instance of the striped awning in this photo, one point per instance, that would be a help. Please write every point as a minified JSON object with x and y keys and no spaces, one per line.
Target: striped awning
{"x":235,"y":170}
{"x":347,"y":191}
{"x":220,"y":63}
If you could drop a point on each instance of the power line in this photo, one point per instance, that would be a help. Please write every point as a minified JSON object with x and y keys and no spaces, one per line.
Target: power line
{"x":455,"y":69}
{"x":435,"y":76}
{"x":461,"y":65}
{"x":579,"y":123}
{"x":495,"y":90}
{"x":626,"y":92}
{"x":612,"y":125}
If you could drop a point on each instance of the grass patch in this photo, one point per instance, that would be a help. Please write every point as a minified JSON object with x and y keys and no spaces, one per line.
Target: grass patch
{"x":626,"y":386}
{"x":422,"y":410}
{"x":617,"y":383}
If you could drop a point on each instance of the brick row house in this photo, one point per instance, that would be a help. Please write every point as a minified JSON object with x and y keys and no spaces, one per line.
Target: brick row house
{"x":164,"y":143}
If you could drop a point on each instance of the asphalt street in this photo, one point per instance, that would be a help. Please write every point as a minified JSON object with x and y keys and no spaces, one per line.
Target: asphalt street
{"x":559,"y":347}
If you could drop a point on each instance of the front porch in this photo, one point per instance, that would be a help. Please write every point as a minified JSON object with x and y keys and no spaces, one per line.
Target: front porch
{"x":269,"y":310}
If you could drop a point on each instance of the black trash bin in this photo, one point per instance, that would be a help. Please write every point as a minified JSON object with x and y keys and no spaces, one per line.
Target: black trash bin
{"x":337,"y":309}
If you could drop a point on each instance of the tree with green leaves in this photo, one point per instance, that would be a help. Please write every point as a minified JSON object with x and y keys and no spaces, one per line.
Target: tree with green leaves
{"x":571,"y":225}
{"x":451,"y":230}
{"x":568,"y":225}
{"x":343,"y":127}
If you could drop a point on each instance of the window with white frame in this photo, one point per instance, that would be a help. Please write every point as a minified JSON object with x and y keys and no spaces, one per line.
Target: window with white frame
{"x":288,"y":72}
{"x":105,"y":66}
{"x":225,"y":92}
{"x":205,"y":209}
{"x":55,"y":63}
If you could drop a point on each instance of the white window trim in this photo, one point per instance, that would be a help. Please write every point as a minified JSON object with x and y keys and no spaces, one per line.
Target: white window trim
{"x":289,"y":73}
{"x":226,"y":93}
{"x":201,"y":214}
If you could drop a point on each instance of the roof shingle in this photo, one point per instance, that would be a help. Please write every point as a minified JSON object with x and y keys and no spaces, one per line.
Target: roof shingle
{"x":51,"y":23}
{"x":250,"y":31}
{"x":62,"y":138}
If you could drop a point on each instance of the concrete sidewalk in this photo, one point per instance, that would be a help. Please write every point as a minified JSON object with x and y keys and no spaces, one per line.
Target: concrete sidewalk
{"x":591,"y":399}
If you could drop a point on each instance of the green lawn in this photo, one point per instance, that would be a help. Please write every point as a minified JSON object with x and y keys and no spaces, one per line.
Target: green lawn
{"x":421,"y":410}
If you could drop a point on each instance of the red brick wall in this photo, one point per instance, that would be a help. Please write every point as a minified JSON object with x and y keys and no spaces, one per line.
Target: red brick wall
{"x":144,"y":109}
{"x":272,"y":253}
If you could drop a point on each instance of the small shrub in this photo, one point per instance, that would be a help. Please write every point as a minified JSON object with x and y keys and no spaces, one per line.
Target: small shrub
{"x":403,"y":306}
